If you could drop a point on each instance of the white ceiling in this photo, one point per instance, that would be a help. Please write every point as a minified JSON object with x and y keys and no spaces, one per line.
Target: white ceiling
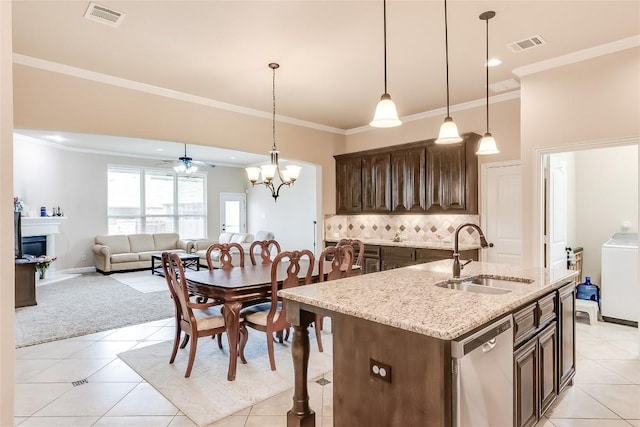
{"x":330,"y":52}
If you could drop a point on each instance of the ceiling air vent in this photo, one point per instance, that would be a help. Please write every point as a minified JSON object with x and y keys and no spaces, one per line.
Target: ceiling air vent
{"x":527,"y":44}
{"x":504,"y":85}
{"x":104,"y":15}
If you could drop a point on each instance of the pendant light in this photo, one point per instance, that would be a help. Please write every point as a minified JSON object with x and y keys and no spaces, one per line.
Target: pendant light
{"x":270,"y":171}
{"x":386,"y":115}
{"x":487,"y":143}
{"x":448,"y":131}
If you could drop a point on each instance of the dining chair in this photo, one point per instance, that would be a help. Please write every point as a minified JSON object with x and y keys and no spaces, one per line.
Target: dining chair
{"x":195,"y":319}
{"x":263,"y":247}
{"x":356,"y":244}
{"x":271,"y":317}
{"x":226,"y":257}
{"x":341,"y":257}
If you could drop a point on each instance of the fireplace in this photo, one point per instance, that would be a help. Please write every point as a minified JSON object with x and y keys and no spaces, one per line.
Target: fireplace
{"x":34,"y":245}
{"x":44,"y":229}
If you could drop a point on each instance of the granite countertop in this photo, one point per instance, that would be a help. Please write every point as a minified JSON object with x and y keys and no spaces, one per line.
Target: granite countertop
{"x":444,"y":245}
{"x":406,"y":298}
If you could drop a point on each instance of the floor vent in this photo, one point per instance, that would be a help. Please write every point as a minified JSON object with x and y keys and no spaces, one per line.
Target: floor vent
{"x":80,"y":382}
{"x":527,"y":44}
{"x":104,"y":15}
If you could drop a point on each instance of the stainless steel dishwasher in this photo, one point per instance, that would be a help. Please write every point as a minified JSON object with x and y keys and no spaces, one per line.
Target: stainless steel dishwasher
{"x":482,"y":377}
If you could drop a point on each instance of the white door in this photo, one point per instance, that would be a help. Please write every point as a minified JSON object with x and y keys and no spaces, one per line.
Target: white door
{"x":556,"y":212}
{"x":502,"y":213}
{"x":233,"y":212}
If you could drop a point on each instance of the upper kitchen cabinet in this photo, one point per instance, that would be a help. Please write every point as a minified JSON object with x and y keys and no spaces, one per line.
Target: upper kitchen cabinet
{"x":348,"y":185}
{"x":376,"y":180}
{"x":408,"y":179}
{"x":419,"y":177}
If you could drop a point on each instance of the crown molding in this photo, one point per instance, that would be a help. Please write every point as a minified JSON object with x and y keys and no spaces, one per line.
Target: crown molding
{"x":581,"y":55}
{"x":55,"y":67}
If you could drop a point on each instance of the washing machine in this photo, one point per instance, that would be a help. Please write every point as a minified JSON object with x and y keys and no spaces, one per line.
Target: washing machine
{"x":620,"y":291}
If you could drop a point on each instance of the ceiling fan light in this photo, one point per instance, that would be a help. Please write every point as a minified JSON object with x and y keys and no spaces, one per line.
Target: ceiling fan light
{"x":191,"y":169}
{"x":386,"y":115}
{"x":253,"y":173}
{"x":268,"y":171}
{"x":448,"y":132}
{"x":487,"y":145}
{"x":293,"y":172}
{"x":181,"y":168}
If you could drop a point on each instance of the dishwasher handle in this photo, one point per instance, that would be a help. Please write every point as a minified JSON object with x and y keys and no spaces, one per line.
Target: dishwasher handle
{"x":485,"y":338}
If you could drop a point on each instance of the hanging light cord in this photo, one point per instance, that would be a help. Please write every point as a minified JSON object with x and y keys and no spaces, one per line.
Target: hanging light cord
{"x":273,"y":123}
{"x":487,"y":73}
{"x":384,"y":17}
{"x":446,"y":48}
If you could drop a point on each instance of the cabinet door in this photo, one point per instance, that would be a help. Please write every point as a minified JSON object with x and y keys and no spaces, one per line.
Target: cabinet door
{"x":396,"y":257}
{"x":526,"y":384}
{"x":371,"y":265}
{"x":407,"y":180}
{"x":566,"y":335}
{"x":376,"y":183}
{"x":348,"y":185}
{"x":446,"y":178}
{"x":547,"y":368}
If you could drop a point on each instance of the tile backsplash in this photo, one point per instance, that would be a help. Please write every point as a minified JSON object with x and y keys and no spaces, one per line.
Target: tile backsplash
{"x":418,"y":228}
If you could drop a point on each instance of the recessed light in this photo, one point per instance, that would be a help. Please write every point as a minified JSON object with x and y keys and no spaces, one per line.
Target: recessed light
{"x":159,"y":149}
{"x":56,"y":138}
{"x":232,"y":157}
{"x":494,"y":62}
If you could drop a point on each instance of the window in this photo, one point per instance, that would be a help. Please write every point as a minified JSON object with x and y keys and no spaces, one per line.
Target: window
{"x":155,"y":201}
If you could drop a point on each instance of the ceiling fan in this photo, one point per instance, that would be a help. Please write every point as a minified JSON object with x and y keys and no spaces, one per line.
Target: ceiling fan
{"x":186,"y":164}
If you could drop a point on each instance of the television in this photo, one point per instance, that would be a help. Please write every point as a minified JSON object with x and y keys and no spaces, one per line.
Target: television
{"x":17,"y":234}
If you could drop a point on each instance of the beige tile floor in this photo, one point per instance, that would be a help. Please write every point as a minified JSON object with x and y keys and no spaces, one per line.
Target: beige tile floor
{"x":606,"y":391}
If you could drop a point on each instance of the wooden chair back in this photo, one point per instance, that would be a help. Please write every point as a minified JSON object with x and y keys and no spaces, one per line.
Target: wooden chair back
{"x":264,"y":250}
{"x":297,"y":263}
{"x":341,"y":257}
{"x":226,"y":260}
{"x":174,"y":274}
{"x":356,"y":244}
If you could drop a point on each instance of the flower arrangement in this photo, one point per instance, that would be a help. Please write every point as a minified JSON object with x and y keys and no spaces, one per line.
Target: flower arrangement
{"x":18,"y":205}
{"x":42,"y":264}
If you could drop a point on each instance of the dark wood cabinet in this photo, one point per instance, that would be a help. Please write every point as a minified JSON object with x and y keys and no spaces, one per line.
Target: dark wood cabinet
{"x":547,"y":368}
{"x":526,"y":384}
{"x":419,"y":177}
{"x":544,"y":356}
{"x":376,"y":183}
{"x":566,"y":335}
{"x":371,"y":261}
{"x":408,"y":180}
{"x":349,"y":185}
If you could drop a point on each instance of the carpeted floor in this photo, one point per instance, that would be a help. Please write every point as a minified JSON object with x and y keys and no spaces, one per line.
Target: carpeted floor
{"x":206,"y":396}
{"x":87,"y":304}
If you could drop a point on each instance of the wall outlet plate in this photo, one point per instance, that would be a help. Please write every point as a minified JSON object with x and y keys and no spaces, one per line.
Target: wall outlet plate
{"x":379,"y":370}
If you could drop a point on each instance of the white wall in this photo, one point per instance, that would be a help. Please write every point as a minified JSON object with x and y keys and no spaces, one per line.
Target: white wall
{"x":606,"y":195}
{"x":291,"y":217}
{"x":45,"y":175}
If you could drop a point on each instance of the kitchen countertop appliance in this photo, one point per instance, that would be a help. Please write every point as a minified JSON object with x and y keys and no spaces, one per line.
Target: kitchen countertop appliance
{"x":620,"y":291}
{"x":482,"y":376}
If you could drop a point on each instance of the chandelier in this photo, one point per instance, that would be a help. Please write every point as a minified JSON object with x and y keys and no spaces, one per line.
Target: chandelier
{"x":269,"y":172}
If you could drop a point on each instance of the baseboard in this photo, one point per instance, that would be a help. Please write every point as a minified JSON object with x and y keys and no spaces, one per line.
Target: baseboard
{"x":79,"y":270}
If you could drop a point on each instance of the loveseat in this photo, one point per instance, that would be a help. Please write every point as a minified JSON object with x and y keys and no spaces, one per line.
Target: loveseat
{"x":244,"y":239}
{"x":126,"y":252}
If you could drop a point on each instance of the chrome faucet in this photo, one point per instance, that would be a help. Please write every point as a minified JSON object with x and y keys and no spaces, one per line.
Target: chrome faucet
{"x":457,"y":267}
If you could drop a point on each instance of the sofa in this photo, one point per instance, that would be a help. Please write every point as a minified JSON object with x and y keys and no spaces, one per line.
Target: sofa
{"x":128,"y":252}
{"x":244,"y":239}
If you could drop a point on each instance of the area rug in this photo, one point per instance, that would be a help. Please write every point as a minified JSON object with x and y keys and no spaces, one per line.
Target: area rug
{"x":206,"y":396}
{"x":84,"y":305}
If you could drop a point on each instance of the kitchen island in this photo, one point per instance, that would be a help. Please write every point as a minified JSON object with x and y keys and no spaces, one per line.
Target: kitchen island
{"x":400,"y":319}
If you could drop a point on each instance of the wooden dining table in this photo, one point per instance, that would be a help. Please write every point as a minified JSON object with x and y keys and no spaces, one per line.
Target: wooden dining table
{"x":237,"y":286}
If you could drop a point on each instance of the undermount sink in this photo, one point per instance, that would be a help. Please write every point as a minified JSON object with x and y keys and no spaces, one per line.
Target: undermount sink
{"x":484,"y":284}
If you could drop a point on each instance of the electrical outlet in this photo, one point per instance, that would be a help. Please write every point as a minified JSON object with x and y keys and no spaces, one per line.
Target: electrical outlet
{"x":83,"y":257}
{"x":380,"y":370}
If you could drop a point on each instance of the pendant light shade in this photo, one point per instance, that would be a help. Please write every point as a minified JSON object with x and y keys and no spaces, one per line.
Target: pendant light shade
{"x":487,"y":143}
{"x":448,"y":131}
{"x":386,"y":115}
